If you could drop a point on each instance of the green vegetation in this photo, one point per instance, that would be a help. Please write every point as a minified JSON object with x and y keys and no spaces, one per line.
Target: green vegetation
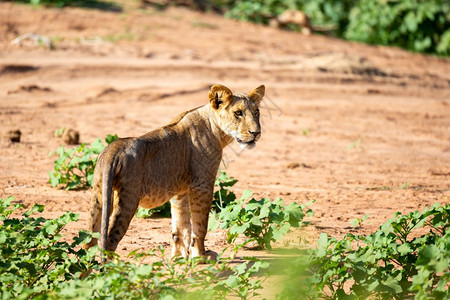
{"x":74,"y":168}
{"x":416,"y":25}
{"x":422,"y":26}
{"x":56,"y":3}
{"x":324,"y":13}
{"x":161,"y":211}
{"x":262,"y":221}
{"x":409,"y":256}
{"x":223,"y":196}
{"x":94,"y":4}
{"x":36,"y":263}
{"x":355,"y":145}
{"x":35,"y":260}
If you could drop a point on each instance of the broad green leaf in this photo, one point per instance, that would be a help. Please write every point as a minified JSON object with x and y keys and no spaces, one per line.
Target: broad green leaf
{"x":322,"y":244}
{"x":50,"y":227}
{"x":246,"y":194}
{"x":97,"y":146}
{"x":33,"y":209}
{"x":393,"y":284}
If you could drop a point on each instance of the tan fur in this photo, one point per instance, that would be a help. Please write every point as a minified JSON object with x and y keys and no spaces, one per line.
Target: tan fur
{"x":177,"y":162}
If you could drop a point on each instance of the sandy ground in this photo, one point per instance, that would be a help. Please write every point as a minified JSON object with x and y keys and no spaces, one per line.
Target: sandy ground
{"x":360,"y":129}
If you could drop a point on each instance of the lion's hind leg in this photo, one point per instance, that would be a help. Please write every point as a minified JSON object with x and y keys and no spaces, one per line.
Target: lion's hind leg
{"x":125,"y":206}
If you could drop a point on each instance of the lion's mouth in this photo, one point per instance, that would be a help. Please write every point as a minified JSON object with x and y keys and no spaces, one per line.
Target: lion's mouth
{"x":250,"y":143}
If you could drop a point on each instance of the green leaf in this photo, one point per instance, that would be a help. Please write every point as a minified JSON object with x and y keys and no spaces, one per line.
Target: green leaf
{"x":256,"y":221}
{"x":83,"y":237}
{"x":144,"y":270}
{"x":97,"y":146}
{"x":50,"y":227}
{"x":410,"y":21}
{"x":232,"y":281}
{"x":33,"y":209}
{"x":238,"y":229}
{"x":246,"y":194}
{"x":213,"y":222}
{"x":393,"y":284}
{"x":110,"y":138}
{"x":404,"y":249}
{"x":322,"y":245}
{"x":55,"y":178}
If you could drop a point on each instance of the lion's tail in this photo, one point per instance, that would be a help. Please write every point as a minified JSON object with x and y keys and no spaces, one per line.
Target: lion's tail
{"x":107,"y":187}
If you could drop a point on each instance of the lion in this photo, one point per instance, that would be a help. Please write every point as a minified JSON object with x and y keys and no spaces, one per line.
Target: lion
{"x":178,"y":162}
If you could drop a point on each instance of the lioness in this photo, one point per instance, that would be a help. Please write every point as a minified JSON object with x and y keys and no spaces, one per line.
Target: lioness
{"x":177,"y":162}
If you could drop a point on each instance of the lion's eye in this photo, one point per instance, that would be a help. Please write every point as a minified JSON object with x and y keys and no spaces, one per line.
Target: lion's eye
{"x":257,"y":112}
{"x":238,"y":113}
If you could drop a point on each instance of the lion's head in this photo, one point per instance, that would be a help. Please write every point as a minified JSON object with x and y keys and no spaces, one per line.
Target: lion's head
{"x":238,"y":114}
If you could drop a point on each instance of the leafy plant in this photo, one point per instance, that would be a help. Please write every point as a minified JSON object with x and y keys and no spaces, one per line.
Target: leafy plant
{"x":416,"y":25}
{"x":165,"y":279}
{"x":223,"y":196}
{"x":262,"y":221}
{"x":392,"y":263}
{"x":37,"y":264}
{"x":57,"y":3}
{"x":34,"y":257}
{"x":422,"y":26}
{"x":162,"y":211}
{"x":323,"y":13}
{"x":75,"y":166}
{"x":357,"y":222}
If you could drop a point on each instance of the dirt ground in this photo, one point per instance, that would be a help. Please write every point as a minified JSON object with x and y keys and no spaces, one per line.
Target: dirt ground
{"x":361,"y":129}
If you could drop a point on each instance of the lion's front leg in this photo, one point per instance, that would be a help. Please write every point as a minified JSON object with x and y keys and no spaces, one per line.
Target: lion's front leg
{"x":181,"y":225}
{"x":200,"y":203}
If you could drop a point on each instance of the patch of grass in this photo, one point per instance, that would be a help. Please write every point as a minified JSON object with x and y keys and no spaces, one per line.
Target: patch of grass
{"x":355,"y":145}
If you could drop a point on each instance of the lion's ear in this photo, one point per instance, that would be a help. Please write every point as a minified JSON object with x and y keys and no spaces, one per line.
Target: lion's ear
{"x":219,"y":96}
{"x":257,"y":94}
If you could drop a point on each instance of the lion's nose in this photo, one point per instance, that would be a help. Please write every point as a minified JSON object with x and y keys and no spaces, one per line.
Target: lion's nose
{"x":255,"y":133}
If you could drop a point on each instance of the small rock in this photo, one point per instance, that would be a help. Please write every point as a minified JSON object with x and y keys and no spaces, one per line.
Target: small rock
{"x":14,"y":135}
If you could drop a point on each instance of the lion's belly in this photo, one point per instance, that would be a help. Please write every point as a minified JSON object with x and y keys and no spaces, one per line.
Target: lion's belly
{"x":163,"y":180}
{"x":157,"y":194}
{"x":152,"y":201}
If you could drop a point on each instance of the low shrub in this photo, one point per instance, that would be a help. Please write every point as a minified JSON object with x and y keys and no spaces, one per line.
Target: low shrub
{"x":408,"y":257}
{"x":36,"y":263}
{"x":74,"y":168}
{"x":263,"y":221}
{"x":421,"y":26}
{"x":416,"y":25}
